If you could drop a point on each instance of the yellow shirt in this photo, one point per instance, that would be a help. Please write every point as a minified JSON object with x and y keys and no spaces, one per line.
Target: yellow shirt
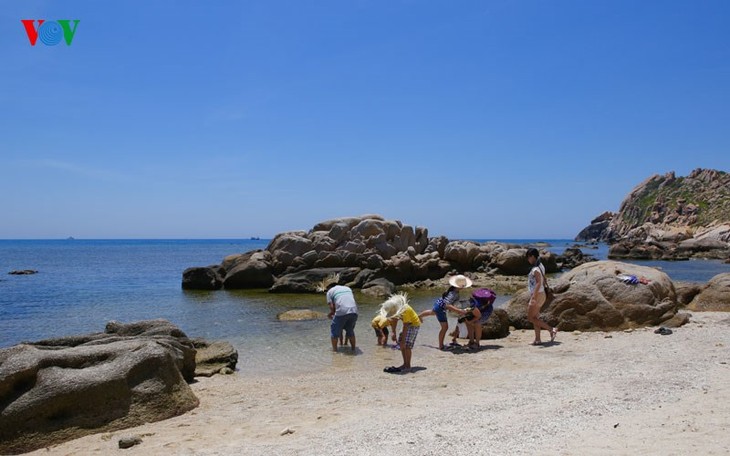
{"x":379,"y":322}
{"x":410,"y":316}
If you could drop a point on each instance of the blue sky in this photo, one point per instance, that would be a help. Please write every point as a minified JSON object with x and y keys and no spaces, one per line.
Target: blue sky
{"x":475,"y":119}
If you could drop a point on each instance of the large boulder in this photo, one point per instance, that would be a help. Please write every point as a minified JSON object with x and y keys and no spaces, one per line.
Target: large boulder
{"x":61,"y":389}
{"x":686,"y":292}
{"x":253,"y":272}
{"x":514,"y":262}
{"x":380,"y":288}
{"x":715,"y":296}
{"x":592,"y":297}
{"x":202,"y":278}
{"x":462,"y":254}
{"x":496,"y":326}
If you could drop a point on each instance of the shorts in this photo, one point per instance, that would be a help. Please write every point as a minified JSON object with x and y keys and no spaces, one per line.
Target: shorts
{"x":346,"y":322}
{"x":383,"y":330}
{"x":410,"y":337}
{"x":438,"y":309}
{"x":486,"y":313}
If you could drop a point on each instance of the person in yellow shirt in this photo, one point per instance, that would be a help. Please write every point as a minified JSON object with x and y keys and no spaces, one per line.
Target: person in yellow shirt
{"x":396,"y":308}
{"x":380,"y":325}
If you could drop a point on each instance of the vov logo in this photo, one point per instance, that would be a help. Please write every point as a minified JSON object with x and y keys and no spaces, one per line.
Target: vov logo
{"x":50,"y":32}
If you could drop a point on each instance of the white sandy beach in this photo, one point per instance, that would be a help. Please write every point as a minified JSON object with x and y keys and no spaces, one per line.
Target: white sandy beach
{"x":587,"y":394}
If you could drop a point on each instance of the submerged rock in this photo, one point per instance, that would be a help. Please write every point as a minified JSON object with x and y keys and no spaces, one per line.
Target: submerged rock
{"x":301,"y":315}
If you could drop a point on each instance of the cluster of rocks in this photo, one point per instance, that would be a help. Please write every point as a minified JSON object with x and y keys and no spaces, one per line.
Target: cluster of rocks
{"x":669,"y":218}
{"x":368,"y":252}
{"x":60,"y":389}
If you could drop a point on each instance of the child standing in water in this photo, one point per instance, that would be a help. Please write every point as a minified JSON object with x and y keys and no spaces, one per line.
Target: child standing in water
{"x":446,"y":302}
{"x":380,"y":325}
{"x":394,"y":309}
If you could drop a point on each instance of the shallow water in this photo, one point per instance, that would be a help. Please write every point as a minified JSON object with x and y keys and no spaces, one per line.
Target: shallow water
{"x":81,"y":285}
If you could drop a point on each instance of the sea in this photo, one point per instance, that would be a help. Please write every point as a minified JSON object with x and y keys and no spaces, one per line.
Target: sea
{"x":83,"y":284}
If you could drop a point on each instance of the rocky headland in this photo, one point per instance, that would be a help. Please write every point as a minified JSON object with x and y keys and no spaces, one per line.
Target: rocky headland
{"x":669,"y":218}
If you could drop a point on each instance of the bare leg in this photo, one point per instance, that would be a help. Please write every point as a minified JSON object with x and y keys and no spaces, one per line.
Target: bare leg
{"x":352,"y":342}
{"x":533,"y":316}
{"x":442,"y":333}
{"x":478,"y":332}
{"x":407,"y":352}
{"x":334,"y":343}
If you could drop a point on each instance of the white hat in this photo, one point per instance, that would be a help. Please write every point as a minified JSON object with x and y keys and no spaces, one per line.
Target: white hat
{"x":460,"y":281}
{"x":394,"y":306}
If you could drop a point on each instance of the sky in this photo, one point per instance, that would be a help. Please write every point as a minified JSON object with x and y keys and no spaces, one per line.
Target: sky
{"x":492,"y":119}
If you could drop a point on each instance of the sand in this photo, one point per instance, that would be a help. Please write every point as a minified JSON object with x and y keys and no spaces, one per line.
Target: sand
{"x":588,"y":394}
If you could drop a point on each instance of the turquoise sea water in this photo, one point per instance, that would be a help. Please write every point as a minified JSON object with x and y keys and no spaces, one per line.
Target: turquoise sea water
{"x":83,"y":284}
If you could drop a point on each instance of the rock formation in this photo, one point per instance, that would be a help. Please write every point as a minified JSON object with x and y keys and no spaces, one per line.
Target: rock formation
{"x":596,"y":231}
{"x":368,"y":252}
{"x":670,"y":218}
{"x":60,"y":389}
{"x":714,"y":296}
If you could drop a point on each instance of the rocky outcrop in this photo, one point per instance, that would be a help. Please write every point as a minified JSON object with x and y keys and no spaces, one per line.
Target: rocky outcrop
{"x":597,"y":230}
{"x":60,"y":389}
{"x":714,"y":296}
{"x":672,"y":218}
{"x":592,"y":297}
{"x":368,"y":252}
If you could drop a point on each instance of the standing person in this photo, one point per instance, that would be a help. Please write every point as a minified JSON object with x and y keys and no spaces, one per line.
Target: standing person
{"x":343,"y":312}
{"x":396,"y":308}
{"x":446,"y":302}
{"x":535,"y":281}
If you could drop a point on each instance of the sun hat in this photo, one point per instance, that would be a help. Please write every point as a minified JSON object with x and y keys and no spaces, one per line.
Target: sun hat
{"x":394,"y":306}
{"x":460,"y":281}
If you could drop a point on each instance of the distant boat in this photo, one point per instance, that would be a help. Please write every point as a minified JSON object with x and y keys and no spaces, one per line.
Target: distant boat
{"x":70,"y":238}
{"x":255,"y":238}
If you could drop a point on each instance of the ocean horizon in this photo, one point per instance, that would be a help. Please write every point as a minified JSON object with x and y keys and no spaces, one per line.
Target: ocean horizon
{"x":82,"y":284}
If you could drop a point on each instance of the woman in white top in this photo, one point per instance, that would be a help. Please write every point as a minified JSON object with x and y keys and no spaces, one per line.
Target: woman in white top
{"x":535,"y":287}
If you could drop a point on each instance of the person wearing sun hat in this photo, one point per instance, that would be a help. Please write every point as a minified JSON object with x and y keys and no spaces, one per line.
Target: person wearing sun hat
{"x":395,"y":308}
{"x":446,"y":302}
